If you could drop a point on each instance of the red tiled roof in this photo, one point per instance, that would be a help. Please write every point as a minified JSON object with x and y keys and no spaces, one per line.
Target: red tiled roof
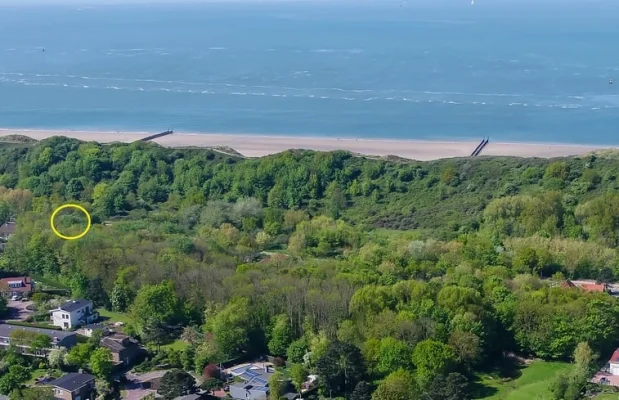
{"x":26,"y":284}
{"x":615,"y":356}
{"x":589,"y":287}
{"x":592,"y":287}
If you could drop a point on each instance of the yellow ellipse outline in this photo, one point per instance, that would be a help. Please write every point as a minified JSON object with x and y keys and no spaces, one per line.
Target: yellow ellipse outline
{"x":60,"y":235}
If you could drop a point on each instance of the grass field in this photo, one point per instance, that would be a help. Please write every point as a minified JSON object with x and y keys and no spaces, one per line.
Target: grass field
{"x":114,"y":316}
{"x":607,"y":396}
{"x":177,"y":345}
{"x":532,"y":384}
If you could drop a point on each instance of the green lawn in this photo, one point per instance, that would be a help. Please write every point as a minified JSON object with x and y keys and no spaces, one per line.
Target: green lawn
{"x":178,"y":345}
{"x":607,"y":396}
{"x":37,"y":373}
{"x":533,"y":384}
{"x":114,"y":316}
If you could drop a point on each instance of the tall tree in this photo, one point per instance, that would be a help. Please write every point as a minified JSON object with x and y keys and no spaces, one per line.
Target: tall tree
{"x":176,"y":383}
{"x":399,"y":385}
{"x":281,"y":336}
{"x":340,"y":368}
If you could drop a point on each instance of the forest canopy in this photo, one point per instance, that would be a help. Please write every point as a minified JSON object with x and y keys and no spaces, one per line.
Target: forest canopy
{"x":414,"y":274}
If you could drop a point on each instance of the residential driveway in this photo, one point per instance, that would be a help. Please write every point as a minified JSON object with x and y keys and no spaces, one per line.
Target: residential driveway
{"x":18,"y":311}
{"x":134,"y":389}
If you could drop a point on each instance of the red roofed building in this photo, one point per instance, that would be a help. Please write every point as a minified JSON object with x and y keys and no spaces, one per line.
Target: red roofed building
{"x":16,"y":286}
{"x":588,"y":286}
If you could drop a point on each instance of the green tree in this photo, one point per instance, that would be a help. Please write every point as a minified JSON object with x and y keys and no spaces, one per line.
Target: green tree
{"x":363,"y":391}
{"x":211,"y":384}
{"x":79,"y":356}
{"x":176,"y":383}
{"x":230,"y":327}
{"x":35,"y":393}
{"x":156,"y":303}
{"x":399,"y":385}
{"x":281,"y":336}
{"x":298,"y":375}
{"x":14,"y":378}
{"x":297,"y":350}
{"x":433,"y":358}
{"x":340,"y":368}
{"x":101,"y":363}
{"x":451,"y":387}
{"x":276,"y":386}
{"x":392,"y":355}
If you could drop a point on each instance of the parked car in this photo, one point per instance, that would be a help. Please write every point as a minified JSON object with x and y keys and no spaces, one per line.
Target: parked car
{"x":16,"y":297}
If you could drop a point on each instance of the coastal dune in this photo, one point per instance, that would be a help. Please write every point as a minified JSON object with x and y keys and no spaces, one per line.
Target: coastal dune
{"x":258,"y":146}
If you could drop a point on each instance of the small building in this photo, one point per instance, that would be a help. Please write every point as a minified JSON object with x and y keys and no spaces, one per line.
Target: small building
{"x":124,"y":349}
{"x":74,"y":313}
{"x":254,"y":381}
{"x":89,"y":329}
{"x":74,"y":386}
{"x":586,"y":285}
{"x":21,"y":286}
{"x":6,"y":230}
{"x":58,"y":338}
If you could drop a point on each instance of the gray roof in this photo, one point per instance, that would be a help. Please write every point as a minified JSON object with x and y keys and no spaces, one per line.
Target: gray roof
{"x":6,"y":329}
{"x":72,"y":381}
{"x":73,"y":305}
{"x":7,"y":228}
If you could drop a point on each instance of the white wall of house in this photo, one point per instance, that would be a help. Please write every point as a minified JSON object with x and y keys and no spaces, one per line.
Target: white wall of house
{"x":68,"y":320}
{"x":614,"y":368}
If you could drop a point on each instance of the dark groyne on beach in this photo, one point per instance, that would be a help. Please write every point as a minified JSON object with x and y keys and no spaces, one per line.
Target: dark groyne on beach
{"x":480,"y":147}
{"x":158,"y":135}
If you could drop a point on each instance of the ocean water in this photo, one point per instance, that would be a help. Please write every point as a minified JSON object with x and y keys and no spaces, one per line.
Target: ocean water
{"x":514,"y":71}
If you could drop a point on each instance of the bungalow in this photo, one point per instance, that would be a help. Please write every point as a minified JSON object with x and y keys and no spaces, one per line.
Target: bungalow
{"x":74,"y":313}
{"x":58,"y":338}
{"x":74,"y":386}
{"x":124,"y":349}
{"x":21,"y":286}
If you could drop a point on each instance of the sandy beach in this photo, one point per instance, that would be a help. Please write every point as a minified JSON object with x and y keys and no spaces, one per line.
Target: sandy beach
{"x":258,"y":146}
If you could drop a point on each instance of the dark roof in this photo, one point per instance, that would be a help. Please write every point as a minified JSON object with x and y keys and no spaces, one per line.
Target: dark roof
{"x":117,"y":342}
{"x":73,"y":305}
{"x":7,"y":228}
{"x":6,"y":329}
{"x":113,"y":345}
{"x":72,"y":381}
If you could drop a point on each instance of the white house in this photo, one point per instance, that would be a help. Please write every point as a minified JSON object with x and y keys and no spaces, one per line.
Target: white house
{"x":74,"y":313}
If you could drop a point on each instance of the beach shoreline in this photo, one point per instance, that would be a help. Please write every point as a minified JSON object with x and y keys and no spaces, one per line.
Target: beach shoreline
{"x":263,"y":145}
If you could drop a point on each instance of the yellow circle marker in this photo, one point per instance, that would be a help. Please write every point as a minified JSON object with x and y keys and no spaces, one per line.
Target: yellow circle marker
{"x":76,"y":206}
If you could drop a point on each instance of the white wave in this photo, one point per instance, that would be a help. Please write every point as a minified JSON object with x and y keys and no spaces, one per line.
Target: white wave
{"x":85,"y":87}
{"x":217,"y":48}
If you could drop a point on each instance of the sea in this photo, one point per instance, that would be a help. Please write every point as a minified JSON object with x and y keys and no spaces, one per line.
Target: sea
{"x":524,"y":71}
